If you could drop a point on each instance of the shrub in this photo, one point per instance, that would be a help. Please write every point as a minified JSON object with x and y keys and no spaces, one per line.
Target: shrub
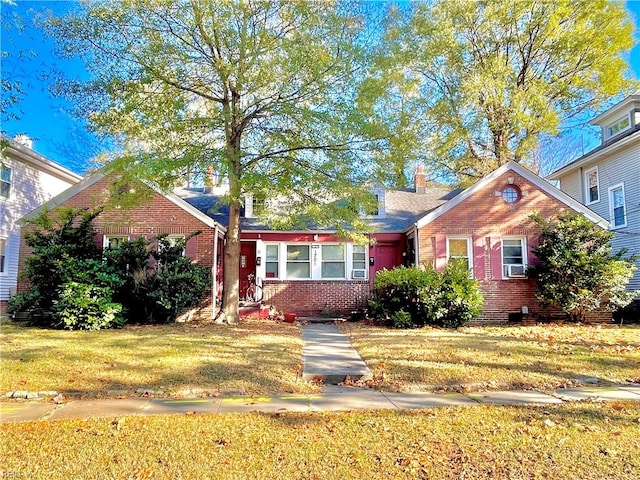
{"x":407,"y":297}
{"x":577,"y":269}
{"x":82,"y":306}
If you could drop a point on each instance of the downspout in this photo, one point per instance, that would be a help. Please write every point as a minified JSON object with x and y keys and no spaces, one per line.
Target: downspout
{"x":416,"y":244}
{"x":214,"y":274}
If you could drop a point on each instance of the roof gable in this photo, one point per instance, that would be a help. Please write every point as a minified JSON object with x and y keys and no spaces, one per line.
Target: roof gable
{"x":96,"y":177}
{"x":527,"y":174}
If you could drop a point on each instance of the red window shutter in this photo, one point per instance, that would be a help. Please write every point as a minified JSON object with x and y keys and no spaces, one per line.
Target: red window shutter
{"x":191,"y":249}
{"x":532,"y":242}
{"x":441,"y":252}
{"x":478,"y":258}
{"x":496,"y":258}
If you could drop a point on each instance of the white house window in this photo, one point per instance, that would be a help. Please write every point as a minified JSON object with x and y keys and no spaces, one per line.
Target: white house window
{"x":617,"y":126}
{"x":298,"y":261}
{"x":592,"y":183}
{"x":3,"y":255}
{"x":617,"y":206}
{"x":272,"y":261}
{"x":511,"y":194}
{"x":359,"y":257}
{"x":459,"y":251}
{"x":333,"y":261}
{"x":113,"y":241}
{"x":5,"y":181}
{"x":174,"y":239}
{"x":513,"y":258}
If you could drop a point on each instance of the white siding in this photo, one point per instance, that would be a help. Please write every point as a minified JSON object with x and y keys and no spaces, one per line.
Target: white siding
{"x":30,"y":188}
{"x":622,"y":166}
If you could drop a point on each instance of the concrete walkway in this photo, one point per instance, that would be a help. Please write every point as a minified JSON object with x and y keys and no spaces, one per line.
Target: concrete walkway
{"x":329,"y":357}
{"x":335,"y":398}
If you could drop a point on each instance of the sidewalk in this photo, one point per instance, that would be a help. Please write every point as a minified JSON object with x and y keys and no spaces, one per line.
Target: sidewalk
{"x":335,"y":398}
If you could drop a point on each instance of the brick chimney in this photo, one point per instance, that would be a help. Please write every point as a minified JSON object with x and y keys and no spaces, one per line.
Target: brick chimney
{"x":420,"y":181}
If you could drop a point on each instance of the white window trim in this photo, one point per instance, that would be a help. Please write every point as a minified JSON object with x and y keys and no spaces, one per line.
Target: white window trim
{"x":5,"y":270}
{"x":607,"y":130}
{"x":611,"y":206}
{"x":344,"y":260}
{"x":106,"y":239}
{"x":469,"y":251}
{"x":11,"y":179}
{"x":315,"y":264}
{"x":523,"y":243}
{"x":587,"y":197}
{"x":172,"y":238}
{"x":278,"y":249}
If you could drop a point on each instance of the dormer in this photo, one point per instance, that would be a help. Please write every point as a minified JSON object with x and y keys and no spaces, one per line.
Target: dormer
{"x":620,"y":118}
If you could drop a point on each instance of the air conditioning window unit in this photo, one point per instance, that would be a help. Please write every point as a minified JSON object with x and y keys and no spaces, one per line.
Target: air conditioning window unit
{"x":362,"y":274}
{"x":516,"y":271}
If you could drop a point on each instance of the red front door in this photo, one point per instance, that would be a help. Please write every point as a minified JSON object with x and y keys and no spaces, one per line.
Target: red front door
{"x":247,"y":265}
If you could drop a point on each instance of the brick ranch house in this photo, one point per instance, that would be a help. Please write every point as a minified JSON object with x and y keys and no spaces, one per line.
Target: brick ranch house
{"x":314,"y":271}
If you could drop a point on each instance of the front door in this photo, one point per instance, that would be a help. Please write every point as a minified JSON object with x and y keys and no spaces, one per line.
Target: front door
{"x":247,"y":265}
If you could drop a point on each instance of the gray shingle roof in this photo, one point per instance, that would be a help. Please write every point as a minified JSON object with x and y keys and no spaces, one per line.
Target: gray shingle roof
{"x":402,"y":208}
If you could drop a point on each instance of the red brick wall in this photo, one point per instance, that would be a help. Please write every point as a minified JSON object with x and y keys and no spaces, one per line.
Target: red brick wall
{"x":311,"y":297}
{"x":156,"y":215}
{"x":486,"y":217}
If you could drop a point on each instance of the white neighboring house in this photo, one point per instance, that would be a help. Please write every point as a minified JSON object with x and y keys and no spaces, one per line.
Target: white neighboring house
{"x":27,"y":180}
{"x":607,"y":179}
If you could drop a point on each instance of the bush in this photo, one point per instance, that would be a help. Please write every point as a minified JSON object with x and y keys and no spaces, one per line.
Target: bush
{"x":82,"y":306}
{"x":407,"y":297}
{"x":577,"y":270}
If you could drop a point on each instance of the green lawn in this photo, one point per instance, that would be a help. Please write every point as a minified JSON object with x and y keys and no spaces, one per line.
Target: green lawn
{"x":499,"y":357}
{"x":255,"y":357}
{"x":578,"y":441}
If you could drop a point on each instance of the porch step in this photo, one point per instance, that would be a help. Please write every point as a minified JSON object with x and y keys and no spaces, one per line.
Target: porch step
{"x":253,"y":309}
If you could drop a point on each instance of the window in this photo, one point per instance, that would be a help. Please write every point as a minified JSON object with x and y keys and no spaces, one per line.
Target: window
{"x":617,"y":207}
{"x":298,"y":261}
{"x":333,"y":264}
{"x":113,"y":241}
{"x":458,"y":251}
{"x":5,"y":181}
{"x":174,"y":239}
{"x":511,"y":194}
{"x":592,"y":183}
{"x":513,"y":257}
{"x":258,"y":205}
{"x":617,"y":126}
{"x":359,"y":257}
{"x":272,"y":261}
{"x":3,"y":255}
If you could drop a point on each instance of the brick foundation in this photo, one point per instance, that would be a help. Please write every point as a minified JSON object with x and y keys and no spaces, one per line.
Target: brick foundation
{"x":315,"y":297}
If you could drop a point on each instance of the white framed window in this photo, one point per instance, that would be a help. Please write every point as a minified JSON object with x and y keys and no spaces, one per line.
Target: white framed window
{"x":3,"y":256}
{"x":5,"y":181}
{"x":272,"y":261}
{"x":358,"y":262}
{"x":618,"y":126}
{"x":617,"y":209}
{"x":113,"y":241}
{"x":592,"y":186}
{"x":514,"y":259}
{"x":333,"y":261}
{"x":298,"y":261}
{"x":174,"y":239}
{"x":459,"y":251}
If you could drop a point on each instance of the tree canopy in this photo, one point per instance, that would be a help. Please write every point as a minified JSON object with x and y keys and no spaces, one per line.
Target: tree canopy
{"x":495,"y":75}
{"x":260,"y":92}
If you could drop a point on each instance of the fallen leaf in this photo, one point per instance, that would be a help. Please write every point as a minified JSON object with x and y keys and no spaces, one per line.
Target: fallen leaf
{"x":549,"y":423}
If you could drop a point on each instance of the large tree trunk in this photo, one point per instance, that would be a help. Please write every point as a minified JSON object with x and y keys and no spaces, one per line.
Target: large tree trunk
{"x":231,"y":266}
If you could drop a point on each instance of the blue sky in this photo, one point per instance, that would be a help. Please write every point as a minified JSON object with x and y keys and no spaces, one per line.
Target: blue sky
{"x":46,"y":118}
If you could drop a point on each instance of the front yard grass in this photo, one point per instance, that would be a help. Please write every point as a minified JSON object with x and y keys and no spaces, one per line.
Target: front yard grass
{"x":255,"y":357}
{"x":499,"y":357}
{"x":585,"y":441}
